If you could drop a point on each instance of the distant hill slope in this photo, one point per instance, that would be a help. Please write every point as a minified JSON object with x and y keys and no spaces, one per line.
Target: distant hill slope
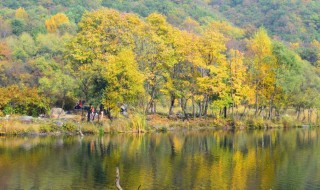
{"x":287,"y":20}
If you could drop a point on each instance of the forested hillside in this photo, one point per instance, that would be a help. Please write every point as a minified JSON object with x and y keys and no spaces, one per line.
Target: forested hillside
{"x":288,"y":20}
{"x":295,"y":21}
{"x":203,"y":56}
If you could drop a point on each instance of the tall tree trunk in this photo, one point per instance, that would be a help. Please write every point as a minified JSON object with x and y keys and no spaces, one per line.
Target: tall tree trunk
{"x":151,"y":102}
{"x":270,"y":108}
{"x":260,"y":110}
{"x":244,"y":112}
{"x":154,"y":107}
{"x":172,"y":100}
{"x":193,"y":108}
{"x":206,"y":105}
{"x":309,"y":115}
{"x":298,"y":113}
{"x":232,"y":110}
{"x":184,"y":108}
{"x":256,"y":99}
{"x":200,"y":108}
{"x":108,"y":113}
{"x":225,"y":111}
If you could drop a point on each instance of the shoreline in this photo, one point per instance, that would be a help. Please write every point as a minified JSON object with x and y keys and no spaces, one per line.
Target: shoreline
{"x":149,"y":124}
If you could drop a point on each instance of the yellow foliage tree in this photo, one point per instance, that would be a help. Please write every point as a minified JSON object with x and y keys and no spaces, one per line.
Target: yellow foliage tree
{"x":261,"y":64}
{"x":21,"y":14}
{"x":213,"y":68}
{"x":102,"y":55}
{"x":125,"y":82}
{"x":55,"y":21}
{"x":237,"y":89}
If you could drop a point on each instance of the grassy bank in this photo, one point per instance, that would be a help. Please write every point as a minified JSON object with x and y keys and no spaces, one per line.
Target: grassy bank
{"x":137,"y":123}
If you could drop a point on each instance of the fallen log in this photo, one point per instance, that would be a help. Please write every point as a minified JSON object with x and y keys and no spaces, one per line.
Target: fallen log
{"x":117,"y":182}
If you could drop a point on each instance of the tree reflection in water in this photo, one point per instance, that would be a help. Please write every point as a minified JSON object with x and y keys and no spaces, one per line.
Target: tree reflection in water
{"x":257,"y":159}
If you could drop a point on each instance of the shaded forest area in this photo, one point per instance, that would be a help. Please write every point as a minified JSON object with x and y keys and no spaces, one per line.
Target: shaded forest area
{"x":230,"y":58}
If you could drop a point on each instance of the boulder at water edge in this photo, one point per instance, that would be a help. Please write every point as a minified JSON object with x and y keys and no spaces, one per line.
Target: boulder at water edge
{"x":56,"y":113}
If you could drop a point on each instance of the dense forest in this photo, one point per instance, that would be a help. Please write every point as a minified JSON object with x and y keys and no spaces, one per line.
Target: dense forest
{"x":205,"y":56}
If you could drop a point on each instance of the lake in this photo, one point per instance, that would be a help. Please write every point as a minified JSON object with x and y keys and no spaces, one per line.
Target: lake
{"x":208,"y":159}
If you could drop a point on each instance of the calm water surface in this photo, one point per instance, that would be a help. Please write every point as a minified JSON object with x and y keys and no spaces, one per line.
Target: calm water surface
{"x":257,"y":159}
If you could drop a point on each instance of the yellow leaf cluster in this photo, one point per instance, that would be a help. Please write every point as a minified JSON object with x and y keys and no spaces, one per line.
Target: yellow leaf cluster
{"x":55,"y":21}
{"x":21,"y":14}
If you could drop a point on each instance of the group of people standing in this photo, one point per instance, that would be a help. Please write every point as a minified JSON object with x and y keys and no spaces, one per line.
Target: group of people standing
{"x":92,"y":113}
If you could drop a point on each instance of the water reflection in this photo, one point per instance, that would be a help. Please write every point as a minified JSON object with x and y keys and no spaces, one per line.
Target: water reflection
{"x":257,"y":159}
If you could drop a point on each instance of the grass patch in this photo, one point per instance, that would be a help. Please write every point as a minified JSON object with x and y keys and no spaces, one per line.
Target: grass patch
{"x":138,"y":122}
{"x":255,"y":122}
{"x":70,"y":127}
{"x":89,"y":128}
{"x":288,"y":121}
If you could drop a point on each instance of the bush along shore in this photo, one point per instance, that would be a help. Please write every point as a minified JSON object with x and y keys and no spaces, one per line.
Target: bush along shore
{"x":136,"y":123}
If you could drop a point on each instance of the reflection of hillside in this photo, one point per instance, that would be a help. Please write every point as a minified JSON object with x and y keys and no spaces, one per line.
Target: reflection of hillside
{"x":255,"y":159}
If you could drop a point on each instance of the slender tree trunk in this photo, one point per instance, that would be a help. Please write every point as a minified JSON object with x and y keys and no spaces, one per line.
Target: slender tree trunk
{"x":225,"y":111}
{"x":309,"y":115}
{"x":151,"y":102}
{"x":184,"y":108}
{"x":298,"y":113}
{"x":270,"y":108}
{"x":200,"y":108}
{"x":260,"y":110}
{"x":172,"y":100}
{"x":256,"y":99}
{"x":108,"y":110}
{"x":203,"y":105}
{"x":244,"y":112}
{"x":232,"y":111}
{"x":193,"y":109}
{"x":206,"y":104}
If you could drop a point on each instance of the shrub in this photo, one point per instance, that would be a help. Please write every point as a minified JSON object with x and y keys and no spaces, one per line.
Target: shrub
{"x":25,"y":101}
{"x":69,"y":127}
{"x":45,"y":129}
{"x":288,"y":121}
{"x":162,"y":129}
{"x":120,"y":125}
{"x":255,"y":122}
{"x":90,"y":129}
{"x":138,"y":122}
{"x":8,"y":110}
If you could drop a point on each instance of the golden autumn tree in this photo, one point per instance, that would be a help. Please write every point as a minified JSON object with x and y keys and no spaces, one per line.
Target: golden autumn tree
{"x":182,"y":81}
{"x":159,"y":58}
{"x":260,"y":65}
{"x":5,"y":60}
{"x":21,"y":14}
{"x":213,"y":70}
{"x":55,"y":21}
{"x":237,"y":89}
{"x":103,"y":59}
{"x":316,"y":46}
{"x":124,"y":81}
{"x":191,"y":25}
